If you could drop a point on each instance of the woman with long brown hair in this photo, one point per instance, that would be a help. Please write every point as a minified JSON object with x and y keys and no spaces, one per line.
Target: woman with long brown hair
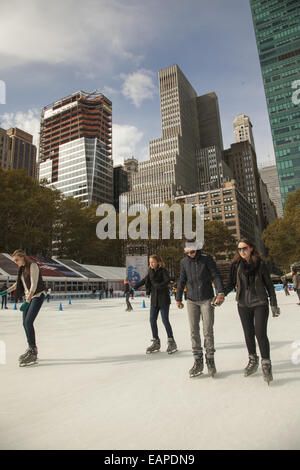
{"x":250,"y":276}
{"x":30,"y":283}
{"x":157,"y":284}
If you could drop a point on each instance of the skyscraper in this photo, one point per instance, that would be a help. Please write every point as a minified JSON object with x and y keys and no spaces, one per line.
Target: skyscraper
{"x":269,"y":176}
{"x":276,"y":25}
{"x":75,"y":147}
{"x":243,"y":129}
{"x":189,"y":123}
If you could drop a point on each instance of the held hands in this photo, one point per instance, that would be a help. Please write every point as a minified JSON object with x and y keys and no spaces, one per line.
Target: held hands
{"x":179,"y":304}
{"x":275,"y":311}
{"x":218,"y":300}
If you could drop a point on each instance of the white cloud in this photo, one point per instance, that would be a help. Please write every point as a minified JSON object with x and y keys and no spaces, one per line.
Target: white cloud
{"x":26,"y":121}
{"x":90,"y":34}
{"x":125,"y":142}
{"x":139,"y":86}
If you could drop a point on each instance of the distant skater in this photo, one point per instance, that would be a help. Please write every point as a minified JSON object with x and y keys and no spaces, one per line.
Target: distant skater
{"x":157,"y":284}
{"x":296,"y":283}
{"x":127,"y":293}
{"x":251,"y":278}
{"x":30,"y":283}
{"x":285,"y":286}
{"x":4,"y":296}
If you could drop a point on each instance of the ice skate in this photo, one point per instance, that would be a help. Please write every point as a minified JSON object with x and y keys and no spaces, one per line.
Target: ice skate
{"x":30,"y":358}
{"x":211,"y":367}
{"x":252,"y":365}
{"x":197,"y":368}
{"x":22,"y":357}
{"x":267,"y":370}
{"x":172,"y":346}
{"x":155,"y":346}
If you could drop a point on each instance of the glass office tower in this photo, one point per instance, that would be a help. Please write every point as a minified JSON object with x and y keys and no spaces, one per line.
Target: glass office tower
{"x":277,"y":30}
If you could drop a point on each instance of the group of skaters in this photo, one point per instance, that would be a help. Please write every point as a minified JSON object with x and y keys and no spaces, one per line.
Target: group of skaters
{"x":249,"y":277}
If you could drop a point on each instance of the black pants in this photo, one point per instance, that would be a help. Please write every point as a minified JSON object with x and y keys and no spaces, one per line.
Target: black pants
{"x":254,"y":321}
{"x":4,"y":301}
{"x":129,"y":306}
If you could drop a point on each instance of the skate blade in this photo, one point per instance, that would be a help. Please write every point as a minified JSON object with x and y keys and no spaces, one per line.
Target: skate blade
{"x":172,"y":352}
{"x":152,"y":352}
{"x":196,"y":375}
{"x":28,"y":364}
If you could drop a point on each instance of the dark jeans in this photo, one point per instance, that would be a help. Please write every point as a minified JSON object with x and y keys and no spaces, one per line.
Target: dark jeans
{"x":129,"y":306}
{"x":29,"y":316}
{"x":154,"y":311}
{"x":254,"y":321}
{"x":4,"y":301}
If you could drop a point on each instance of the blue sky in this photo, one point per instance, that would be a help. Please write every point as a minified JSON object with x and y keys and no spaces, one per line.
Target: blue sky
{"x":51,"y":49}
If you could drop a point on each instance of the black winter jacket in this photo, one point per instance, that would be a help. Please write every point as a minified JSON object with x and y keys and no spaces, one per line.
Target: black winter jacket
{"x":197,"y":274}
{"x":262,"y":285}
{"x":157,"y":283}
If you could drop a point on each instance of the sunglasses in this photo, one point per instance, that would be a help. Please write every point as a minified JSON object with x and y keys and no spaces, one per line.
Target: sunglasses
{"x":191,"y":252}
{"x":244,"y":248}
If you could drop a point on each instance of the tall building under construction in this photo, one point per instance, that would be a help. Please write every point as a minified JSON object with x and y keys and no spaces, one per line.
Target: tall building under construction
{"x":75,"y":147}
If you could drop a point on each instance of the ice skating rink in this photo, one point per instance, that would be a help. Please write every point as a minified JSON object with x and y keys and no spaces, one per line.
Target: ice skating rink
{"x":95,"y":388}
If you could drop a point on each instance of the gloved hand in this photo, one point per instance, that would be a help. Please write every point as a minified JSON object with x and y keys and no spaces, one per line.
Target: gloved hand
{"x":218,"y":300}
{"x":3,"y":292}
{"x":24,"y":306}
{"x":275,"y":311}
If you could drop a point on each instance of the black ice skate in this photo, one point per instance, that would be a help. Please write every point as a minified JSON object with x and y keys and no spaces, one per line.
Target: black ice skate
{"x":172,"y":346}
{"x":267,"y":370}
{"x":30,"y":358}
{"x":211,"y":367}
{"x":252,"y":365}
{"x":22,"y":357}
{"x":197,"y":368}
{"x":155,"y":346}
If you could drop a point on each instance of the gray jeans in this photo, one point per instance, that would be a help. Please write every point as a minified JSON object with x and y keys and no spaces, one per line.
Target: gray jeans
{"x":195,"y":311}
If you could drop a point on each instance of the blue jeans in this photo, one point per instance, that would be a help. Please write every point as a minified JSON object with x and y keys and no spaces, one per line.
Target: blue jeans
{"x":29,"y":316}
{"x":164,"y":311}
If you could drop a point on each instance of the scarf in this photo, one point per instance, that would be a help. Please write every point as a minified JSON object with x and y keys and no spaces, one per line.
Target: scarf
{"x":249,"y":270}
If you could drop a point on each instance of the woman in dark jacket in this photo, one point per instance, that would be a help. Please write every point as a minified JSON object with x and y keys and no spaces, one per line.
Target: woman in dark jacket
{"x":250,"y":276}
{"x":157,"y":284}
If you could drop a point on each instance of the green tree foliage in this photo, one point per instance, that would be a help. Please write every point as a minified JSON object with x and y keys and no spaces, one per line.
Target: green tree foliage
{"x":27,"y":213}
{"x":282,"y":237}
{"x":218,"y":239}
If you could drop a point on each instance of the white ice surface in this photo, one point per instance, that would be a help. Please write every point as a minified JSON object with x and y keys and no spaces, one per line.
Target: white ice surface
{"x":95,"y":388}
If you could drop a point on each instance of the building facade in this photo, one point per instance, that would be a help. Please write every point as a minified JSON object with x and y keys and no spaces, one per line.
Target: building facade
{"x":241,"y":159}
{"x":120,"y":184}
{"x":75,"y":147}
{"x":269,"y":175}
{"x":268,"y":206}
{"x":228,"y":205}
{"x":17,"y":151}
{"x":277,"y":30}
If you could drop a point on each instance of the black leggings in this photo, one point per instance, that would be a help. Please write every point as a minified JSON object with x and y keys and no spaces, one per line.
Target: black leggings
{"x":254,"y":321}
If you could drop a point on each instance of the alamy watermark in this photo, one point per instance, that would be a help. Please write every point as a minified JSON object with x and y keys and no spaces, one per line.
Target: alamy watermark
{"x":296,"y":353}
{"x":296,"y":94}
{"x":2,"y":353}
{"x":138,"y":228}
{"x":2,"y":92}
